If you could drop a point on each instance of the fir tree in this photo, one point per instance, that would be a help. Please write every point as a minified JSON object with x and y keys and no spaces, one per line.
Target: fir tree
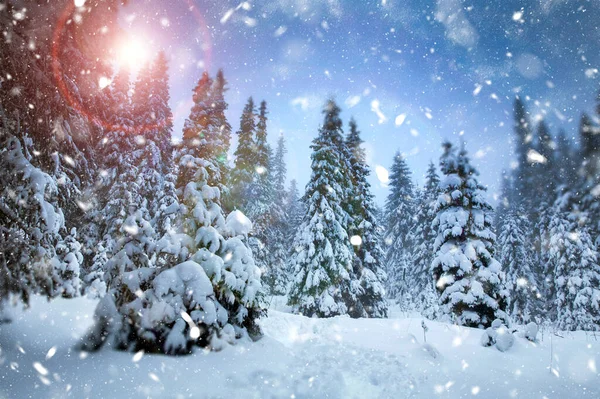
{"x":516,"y":259}
{"x":368,"y":255}
{"x":207,"y":128}
{"x":295,"y":211}
{"x":243,"y":172}
{"x":565,"y":159}
{"x":323,"y":283}
{"x":469,"y":278}
{"x":219,"y":133}
{"x":523,"y":184}
{"x":573,"y":261}
{"x":205,"y":293}
{"x":399,"y":213}
{"x":544,"y":171}
{"x":276,"y":276}
{"x":259,"y":193}
{"x":37,"y":255}
{"x":420,"y":276}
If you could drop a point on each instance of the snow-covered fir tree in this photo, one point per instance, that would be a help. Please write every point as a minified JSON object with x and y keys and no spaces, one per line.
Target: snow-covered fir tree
{"x":422,"y":236}
{"x":208,"y":127}
{"x":205,"y":292}
{"x":116,"y":191}
{"x":244,"y":171}
{"x":523,"y":181}
{"x":37,"y":254}
{"x":219,"y":133}
{"x":470,"y":280}
{"x":276,"y":276}
{"x":516,"y":259}
{"x":259,"y":192}
{"x":573,"y":267}
{"x":399,"y":213}
{"x":363,"y":231}
{"x":295,"y":211}
{"x":323,"y":282}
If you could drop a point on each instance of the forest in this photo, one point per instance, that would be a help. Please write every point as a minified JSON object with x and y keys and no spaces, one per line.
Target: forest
{"x":186,"y":240}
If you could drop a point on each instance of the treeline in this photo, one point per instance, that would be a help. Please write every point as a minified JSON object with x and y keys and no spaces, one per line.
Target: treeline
{"x":543,"y":259}
{"x":183,"y":244}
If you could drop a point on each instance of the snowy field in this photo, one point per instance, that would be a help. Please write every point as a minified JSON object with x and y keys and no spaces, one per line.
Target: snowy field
{"x":298,"y":357}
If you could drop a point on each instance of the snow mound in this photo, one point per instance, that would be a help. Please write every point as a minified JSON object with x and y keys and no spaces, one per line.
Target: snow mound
{"x":237,"y":224}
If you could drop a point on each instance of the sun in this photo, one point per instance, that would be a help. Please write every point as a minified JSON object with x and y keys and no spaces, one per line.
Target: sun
{"x":132,"y":52}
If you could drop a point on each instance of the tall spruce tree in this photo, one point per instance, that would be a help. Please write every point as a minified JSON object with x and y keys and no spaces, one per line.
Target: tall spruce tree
{"x":573,"y":263}
{"x":244,"y":171}
{"x":324,"y":284}
{"x":516,"y":259}
{"x":37,"y":254}
{"x":259,"y":194}
{"x":523,"y":184}
{"x":368,"y":254}
{"x":276,"y":276}
{"x":116,"y":191}
{"x":399,"y":213}
{"x":420,"y":276}
{"x":470,"y":280}
{"x":219,"y":133}
{"x":295,"y":210}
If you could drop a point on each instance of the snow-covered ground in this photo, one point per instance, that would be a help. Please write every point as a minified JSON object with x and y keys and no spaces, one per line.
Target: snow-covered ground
{"x":298,"y":357}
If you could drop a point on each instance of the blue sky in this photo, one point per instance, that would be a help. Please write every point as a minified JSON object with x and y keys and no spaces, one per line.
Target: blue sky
{"x":446,"y":69}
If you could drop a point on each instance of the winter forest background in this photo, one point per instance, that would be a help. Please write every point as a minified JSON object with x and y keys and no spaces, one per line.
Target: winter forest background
{"x":186,"y":230}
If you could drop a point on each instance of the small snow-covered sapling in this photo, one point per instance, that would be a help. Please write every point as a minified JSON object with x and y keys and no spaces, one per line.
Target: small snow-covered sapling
{"x":425,"y":329}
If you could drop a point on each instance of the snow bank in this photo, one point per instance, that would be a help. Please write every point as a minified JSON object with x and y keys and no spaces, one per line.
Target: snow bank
{"x":338,"y":357}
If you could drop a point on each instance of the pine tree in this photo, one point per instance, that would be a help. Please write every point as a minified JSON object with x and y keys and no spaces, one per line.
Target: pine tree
{"x":420,"y":276}
{"x":208,"y":128}
{"x":399,"y":212}
{"x":32,"y":229}
{"x":573,"y":260}
{"x":243,"y":173}
{"x":205,"y":293}
{"x":516,"y":259}
{"x":469,"y":278}
{"x":523,"y":184}
{"x":221,"y":130}
{"x":507,"y":199}
{"x":258,"y":200}
{"x":276,"y":276}
{"x":116,"y":188}
{"x":295,"y":211}
{"x":368,"y":255}
{"x":566,"y":160}
{"x":544,"y":172}
{"x":323,"y":283}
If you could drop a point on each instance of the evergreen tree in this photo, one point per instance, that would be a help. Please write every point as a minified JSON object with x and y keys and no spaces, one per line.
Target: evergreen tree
{"x":565,"y":160}
{"x":469,"y":278}
{"x":516,"y":260}
{"x":276,"y":276}
{"x":368,"y":255}
{"x":544,"y":171}
{"x":524,"y":141}
{"x":208,"y":129}
{"x":295,"y":211}
{"x":116,"y":190}
{"x":573,"y":260}
{"x":259,"y":194}
{"x":420,"y":276}
{"x":206,"y":291}
{"x":399,"y":213}
{"x":37,"y":255}
{"x":324,"y":283}
{"x":244,"y":171}
{"x":219,"y":132}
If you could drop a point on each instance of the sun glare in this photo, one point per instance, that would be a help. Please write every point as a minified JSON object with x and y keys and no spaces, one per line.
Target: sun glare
{"x":132,"y":52}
